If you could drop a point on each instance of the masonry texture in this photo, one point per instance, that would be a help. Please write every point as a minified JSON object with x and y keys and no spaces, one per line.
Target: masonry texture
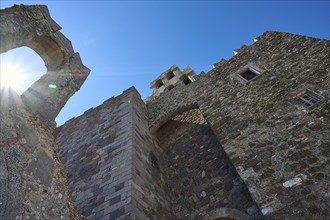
{"x":247,"y":140}
{"x":32,"y":180}
{"x":268,"y":135}
{"x":96,"y":149}
{"x":33,"y":27}
{"x":197,"y":171}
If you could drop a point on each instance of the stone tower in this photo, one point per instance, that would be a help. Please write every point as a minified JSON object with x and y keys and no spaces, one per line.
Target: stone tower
{"x":170,"y":78}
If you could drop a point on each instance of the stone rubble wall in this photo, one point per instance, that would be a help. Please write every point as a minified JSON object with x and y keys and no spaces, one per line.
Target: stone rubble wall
{"x":198,"y":173}
{"x":32,"y":180}
{"x":269,"y":137}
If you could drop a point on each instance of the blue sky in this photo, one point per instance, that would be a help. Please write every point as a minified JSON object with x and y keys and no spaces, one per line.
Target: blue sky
{"x":130,"y":43}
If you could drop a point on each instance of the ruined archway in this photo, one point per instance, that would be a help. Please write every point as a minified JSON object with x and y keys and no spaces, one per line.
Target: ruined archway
{"x":38,"y":31}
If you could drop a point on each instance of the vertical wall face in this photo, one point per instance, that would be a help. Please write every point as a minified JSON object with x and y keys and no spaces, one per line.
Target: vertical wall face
{"x":278,"y":145}
{"x":199,"y":176}
{"x":150,"y":199}
{"x":32,"y":184}
{"x":106,"y":153}
{"x":96,"y":149}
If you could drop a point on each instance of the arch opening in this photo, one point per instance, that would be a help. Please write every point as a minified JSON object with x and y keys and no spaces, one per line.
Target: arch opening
{"x":195,"y":169}
{"x":20,"y":68}
{"x":49,"y":50}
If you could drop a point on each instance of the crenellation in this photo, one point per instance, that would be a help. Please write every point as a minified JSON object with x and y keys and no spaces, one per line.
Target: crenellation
{"x":170,"y":79}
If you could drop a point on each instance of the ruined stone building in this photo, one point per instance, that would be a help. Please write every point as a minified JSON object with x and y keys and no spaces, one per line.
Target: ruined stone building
{"x":247,"y":140}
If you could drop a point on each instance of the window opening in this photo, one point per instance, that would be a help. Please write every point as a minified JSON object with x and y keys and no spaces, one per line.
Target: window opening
{"x":308,"y":98}
{"x":186,"y":80}
{"x":159,"y":83}
{"x":248,"y":74}
{"x":170,"y":75}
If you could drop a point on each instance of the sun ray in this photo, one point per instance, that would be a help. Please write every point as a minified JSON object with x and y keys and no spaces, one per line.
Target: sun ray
{"x":19,"y":68}
{"x":12,"y":75}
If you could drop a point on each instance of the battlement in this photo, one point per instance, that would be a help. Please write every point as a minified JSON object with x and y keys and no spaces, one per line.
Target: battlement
{"x":170,"y":78}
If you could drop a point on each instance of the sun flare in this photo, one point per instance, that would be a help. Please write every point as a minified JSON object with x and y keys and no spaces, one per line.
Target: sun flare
{"x":19,"y":68}
{"x":12,"y":75}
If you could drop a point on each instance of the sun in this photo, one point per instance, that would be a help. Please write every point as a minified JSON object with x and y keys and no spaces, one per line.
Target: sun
{"x":20,"y":68}
{"x":12,"y":75}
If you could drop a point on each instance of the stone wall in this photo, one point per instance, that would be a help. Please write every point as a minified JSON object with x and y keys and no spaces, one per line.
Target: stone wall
{"x":32,"y":180}
{"x":150,"y":199}
{"x":277,"y":145}
{"x":197,"y":172}
{"x":169,"y":79}
{"x":106,"y":153}
{"x":96,"y":149}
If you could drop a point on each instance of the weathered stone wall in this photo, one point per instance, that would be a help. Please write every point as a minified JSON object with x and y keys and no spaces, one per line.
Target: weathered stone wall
{"x":269,"y":137}
{"x":170,"y":78}
{"x":198,"y":174}
{"x":96,"y":149}
{"x":32,"y":184}
{"x":32,"y":180}
{"x":150,"y":199}
{"x":106,"y":153}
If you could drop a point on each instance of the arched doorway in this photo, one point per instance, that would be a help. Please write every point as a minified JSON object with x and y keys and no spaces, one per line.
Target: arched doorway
{"x":196,"y":170}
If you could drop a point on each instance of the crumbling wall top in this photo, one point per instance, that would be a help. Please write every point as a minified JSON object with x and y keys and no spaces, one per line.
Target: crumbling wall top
{"x":32,"y":26}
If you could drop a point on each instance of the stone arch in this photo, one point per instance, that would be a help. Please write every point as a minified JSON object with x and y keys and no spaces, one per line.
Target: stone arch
{"x":173,"y":102}
{"x":33,"y":27}
{"x":50,"y":51}
{"x":170,"y":112}
{"x":228,"y":213}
